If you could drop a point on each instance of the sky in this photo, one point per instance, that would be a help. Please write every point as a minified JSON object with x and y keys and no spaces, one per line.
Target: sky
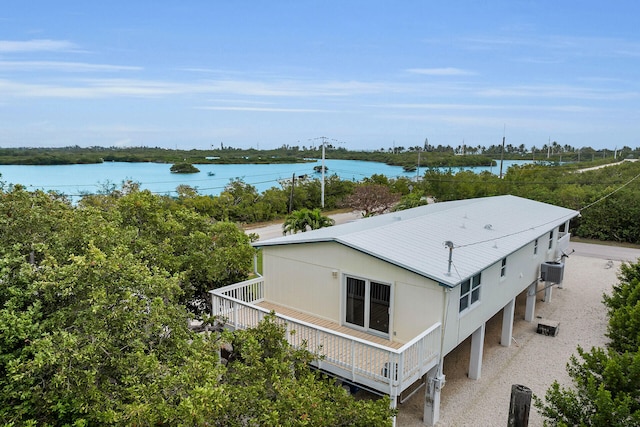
{"x":367,"y":75}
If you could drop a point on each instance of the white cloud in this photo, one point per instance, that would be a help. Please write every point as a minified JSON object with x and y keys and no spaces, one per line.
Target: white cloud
{"x":477,"y":107}
{"x":266,"y":109}
{"x":448,"y":71}
{"x":100,"y":88}
{"x":38,"y":45}
{"x":73,"y":67}
{"x":555,"y":92}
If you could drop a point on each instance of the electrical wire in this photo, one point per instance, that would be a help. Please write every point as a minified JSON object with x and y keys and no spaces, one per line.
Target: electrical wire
{"x":553,"y":220}
{"x":614,"y":191}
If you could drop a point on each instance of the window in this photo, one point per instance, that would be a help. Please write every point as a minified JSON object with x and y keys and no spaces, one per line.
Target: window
{"x":563,"y":228}
{"x":503,"y":267}
{"x":368,"y":304}
{"x":550,"y":239}
{"x":535,"y":247}
{"x":470,"y":292}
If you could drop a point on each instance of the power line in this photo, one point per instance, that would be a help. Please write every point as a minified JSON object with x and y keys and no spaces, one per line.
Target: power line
{"x":614,"y":191}
{"x":551,"y":221}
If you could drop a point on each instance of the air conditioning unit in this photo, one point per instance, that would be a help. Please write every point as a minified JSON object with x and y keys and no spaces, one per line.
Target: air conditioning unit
{"x":552,"y":272}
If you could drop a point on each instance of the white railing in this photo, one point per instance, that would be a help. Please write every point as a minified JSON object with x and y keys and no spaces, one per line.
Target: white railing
{"x":563,"y":244}
{"x":385,"y":369}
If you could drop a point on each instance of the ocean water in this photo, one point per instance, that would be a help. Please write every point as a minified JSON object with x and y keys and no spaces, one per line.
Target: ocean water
{"x":77,"y":180}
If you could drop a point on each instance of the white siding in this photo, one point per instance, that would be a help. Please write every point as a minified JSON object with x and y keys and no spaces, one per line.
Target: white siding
{"x":309,"y":277}
{"x":523,"y":268}
{"x":302,"y":277}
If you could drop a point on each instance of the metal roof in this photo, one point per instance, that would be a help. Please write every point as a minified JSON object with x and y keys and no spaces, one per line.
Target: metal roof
{"x":483,"y":231}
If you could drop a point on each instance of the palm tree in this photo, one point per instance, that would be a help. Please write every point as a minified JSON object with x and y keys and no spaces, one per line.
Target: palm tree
{"x":305,"y":219}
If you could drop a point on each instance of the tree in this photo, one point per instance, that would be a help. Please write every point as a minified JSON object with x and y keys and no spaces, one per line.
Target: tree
{"x":606,"y":382}
{"x":94,"y":331}
{"x":411,"y":200}
{"x":184,"y":168}
{"x":305,"y":219}
{"x":372,"y":199}
{"x":273,"y":385}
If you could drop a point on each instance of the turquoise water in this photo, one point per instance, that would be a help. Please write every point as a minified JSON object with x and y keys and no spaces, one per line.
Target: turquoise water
{"x":75,"y":180}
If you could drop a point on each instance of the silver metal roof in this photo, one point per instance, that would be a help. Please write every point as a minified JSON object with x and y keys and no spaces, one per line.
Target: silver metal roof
{"x":483,"y":231}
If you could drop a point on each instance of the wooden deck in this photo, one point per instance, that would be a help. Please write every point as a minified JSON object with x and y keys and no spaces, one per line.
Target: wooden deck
{"x":328,"y":324}
{"x":357,"y":356}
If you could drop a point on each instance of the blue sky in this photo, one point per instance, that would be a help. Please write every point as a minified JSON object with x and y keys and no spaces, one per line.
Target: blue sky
{"x":194,"y":74}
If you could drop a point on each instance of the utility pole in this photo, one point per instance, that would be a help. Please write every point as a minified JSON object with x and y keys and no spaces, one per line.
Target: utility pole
{"x":549,"y":148}
{"x":502,"y":152}
{"x":322,"y":182}
{"x":293,"y":184}
{"x":324,"y":140}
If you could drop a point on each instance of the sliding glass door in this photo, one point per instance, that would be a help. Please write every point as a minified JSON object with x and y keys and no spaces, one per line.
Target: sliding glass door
{"x":368,"y":304}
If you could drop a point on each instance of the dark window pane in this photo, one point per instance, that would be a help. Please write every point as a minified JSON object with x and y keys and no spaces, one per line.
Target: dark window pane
{"x":475,"y":295}
{"x":476,"y":281}
{"x":464,"y":289}
{"x":380,"y":298}
{"x":464,"y":302}
{"x":355,"y":301}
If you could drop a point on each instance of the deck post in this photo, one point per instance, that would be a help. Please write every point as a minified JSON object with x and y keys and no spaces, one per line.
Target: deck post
{"x":394,"y":405}
{"x":507,"y":323}
{"x":548,"y":287}
{"x":531,"y":301}
{"x":477,"y":348}
{"x":434,"y":382}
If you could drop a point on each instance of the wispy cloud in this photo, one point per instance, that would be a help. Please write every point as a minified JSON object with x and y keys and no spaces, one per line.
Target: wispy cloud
{"x":557,"y":91}
{"x":37,"y":45}
{"x":554,"y":48}
{"x":487,"y":107}
{"x":447,"y":71}
{"x":265,"y":109}
{"x":72,"y":67}
{"x":98,"y":88}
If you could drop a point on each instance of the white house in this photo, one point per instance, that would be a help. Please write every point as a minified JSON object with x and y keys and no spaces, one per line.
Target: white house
{"x":384,"y":299}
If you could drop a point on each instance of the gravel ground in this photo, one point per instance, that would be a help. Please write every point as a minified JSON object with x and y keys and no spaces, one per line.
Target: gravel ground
{"x":532,"y":360}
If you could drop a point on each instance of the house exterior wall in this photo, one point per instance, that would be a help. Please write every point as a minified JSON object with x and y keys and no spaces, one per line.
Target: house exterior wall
{"x":310,"y":278}
{"x":522,"y":269}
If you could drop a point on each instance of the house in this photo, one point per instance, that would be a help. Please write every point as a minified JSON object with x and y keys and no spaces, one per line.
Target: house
{"x":384,"y":299}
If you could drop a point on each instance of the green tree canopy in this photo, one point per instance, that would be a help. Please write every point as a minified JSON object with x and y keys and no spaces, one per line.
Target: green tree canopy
{"x":606,"y":382}
{"x":305,"y":219}
{"x":94,"y":329}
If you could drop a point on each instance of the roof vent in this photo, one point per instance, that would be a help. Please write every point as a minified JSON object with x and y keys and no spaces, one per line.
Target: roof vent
{"x":488,"y":227}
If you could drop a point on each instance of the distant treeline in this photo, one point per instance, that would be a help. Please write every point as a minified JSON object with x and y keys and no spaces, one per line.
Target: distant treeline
{"x":607,"y":198}
{"x":427,"y":156}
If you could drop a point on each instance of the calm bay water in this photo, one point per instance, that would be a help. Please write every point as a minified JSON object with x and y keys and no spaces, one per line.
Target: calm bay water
{"x":75,"y":180}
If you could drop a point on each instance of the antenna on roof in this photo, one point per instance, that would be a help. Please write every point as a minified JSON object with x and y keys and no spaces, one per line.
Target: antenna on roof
{"x":449,"y":244}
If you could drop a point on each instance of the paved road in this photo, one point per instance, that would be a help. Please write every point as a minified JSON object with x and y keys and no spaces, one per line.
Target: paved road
{"x":614,"y":253}
{"x":275,"y":230}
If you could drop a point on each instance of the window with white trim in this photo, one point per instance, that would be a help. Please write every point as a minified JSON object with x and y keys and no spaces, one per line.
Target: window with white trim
{"x":535,"y":247}
{"x":550,"y":239}
{"x":503,"y":267}
{"x":470,"y":292}
{"x":367,"y":304}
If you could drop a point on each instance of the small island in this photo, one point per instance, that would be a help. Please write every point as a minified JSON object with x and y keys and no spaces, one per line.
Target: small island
{"x":318,"y":169}
{"x":184,"y":168}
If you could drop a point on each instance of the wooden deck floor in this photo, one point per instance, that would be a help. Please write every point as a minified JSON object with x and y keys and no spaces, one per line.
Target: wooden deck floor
{"x":329,"y":325}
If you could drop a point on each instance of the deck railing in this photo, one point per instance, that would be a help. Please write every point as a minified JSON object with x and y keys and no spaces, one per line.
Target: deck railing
{"x":563,"y":244}
{"x":384,"y":369}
